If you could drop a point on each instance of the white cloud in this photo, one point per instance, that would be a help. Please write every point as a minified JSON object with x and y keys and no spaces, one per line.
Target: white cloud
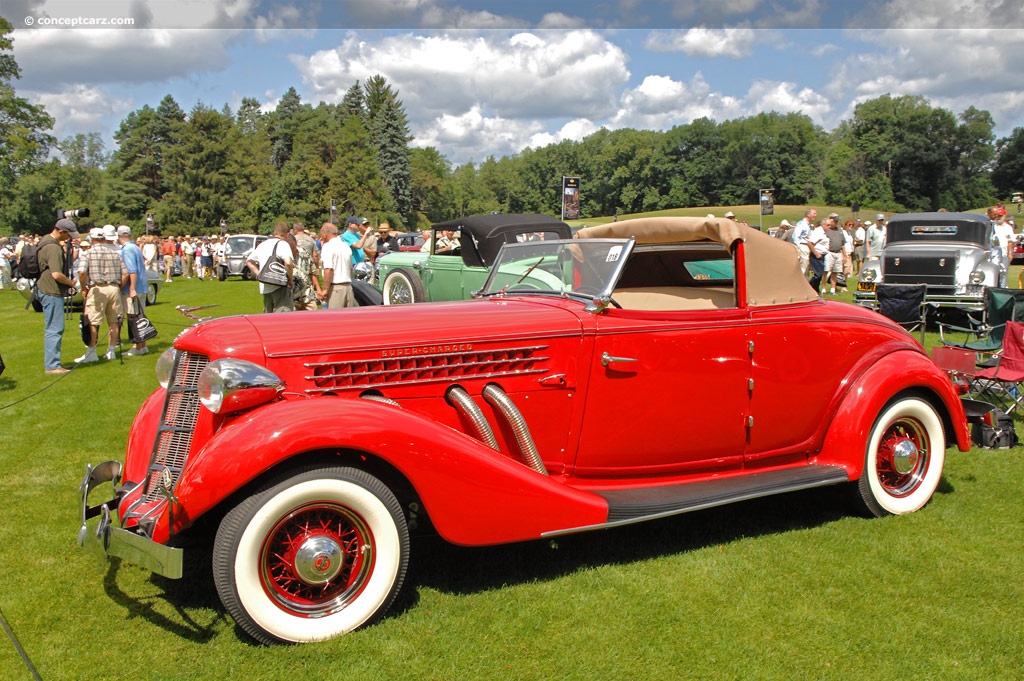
{"x":687,"y":9}
{"x":491,"y":87}
{"x":788,"y":98}
{"x":50,"y":59}
{"x":82,"y":109}
{"x":706,"y":42}
{"x":937,"y":14}
{"x":559,"y":20}
{"x":472,"y":136}
{"x":946,"y":67}
{"x":573,"y":130}
{"x":660,"y":103}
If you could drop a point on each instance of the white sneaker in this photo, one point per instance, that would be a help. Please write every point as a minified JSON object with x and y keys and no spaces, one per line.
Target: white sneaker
{"x":832,"y":291}
{"x":135,"y":352}
{"x":111,"y":354}
{"x":89,"y":357}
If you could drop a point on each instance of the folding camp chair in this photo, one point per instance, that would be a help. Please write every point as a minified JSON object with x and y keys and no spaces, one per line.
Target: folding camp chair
{"x":1004,"y":383}
{"x":959,"y":364}
{"x":1000,"y":307}
{"x":903,"y":304}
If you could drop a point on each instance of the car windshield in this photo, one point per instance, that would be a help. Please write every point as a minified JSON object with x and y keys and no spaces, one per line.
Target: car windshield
{"x":932,"y":231}
{"x":238,"y":245}
{"x":585,"y":268}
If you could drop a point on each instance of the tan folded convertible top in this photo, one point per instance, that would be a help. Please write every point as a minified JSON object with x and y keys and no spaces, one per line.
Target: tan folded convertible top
{"x":772,"y":265}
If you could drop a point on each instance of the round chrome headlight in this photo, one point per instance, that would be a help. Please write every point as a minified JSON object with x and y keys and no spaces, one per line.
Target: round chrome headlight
{"x":164,"y":366}
{"x":228,"y":385}
{"x":977,"y":277}
{"x":869,"y":275}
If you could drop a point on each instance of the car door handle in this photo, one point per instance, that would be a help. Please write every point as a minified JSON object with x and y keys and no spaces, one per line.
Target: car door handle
{"x":607,"y":359}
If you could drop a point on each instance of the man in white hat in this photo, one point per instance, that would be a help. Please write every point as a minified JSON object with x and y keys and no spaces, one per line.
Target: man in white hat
{"x":100,"y":275}
{"x":784,"y":231}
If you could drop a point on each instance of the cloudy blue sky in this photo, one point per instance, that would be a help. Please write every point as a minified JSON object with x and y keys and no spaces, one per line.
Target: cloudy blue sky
{"x":486,"y":77}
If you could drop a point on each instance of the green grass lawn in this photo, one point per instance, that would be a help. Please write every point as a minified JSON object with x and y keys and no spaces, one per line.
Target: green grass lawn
{"x":789,"y":587}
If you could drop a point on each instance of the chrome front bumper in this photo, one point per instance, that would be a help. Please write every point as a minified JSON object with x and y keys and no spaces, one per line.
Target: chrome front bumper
{"x":108,"y":541}
{"x":973,"y":303}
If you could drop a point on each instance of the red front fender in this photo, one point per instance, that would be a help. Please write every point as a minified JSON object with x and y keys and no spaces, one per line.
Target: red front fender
{"x":891,"y":375}
{"x":473,"y":494}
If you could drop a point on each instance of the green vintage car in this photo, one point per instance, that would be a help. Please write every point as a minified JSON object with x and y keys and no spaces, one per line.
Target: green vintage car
{"x":454,"y":274}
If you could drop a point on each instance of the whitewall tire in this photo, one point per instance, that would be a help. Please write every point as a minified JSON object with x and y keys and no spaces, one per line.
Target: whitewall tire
{"x":905,"y":454}
{"x":314,"y":556}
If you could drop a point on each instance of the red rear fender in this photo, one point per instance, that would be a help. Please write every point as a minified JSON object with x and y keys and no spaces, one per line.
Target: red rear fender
{"x":896,"y":373}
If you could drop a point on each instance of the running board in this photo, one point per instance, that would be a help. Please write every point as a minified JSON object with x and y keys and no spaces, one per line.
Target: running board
{"x":636,"y":505}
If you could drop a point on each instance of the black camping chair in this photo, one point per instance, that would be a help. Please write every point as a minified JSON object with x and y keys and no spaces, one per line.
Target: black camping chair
{"x":904,"y":304}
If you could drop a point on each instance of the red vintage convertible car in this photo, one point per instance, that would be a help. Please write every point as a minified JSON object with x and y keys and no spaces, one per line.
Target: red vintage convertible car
{"x":647,"y":368}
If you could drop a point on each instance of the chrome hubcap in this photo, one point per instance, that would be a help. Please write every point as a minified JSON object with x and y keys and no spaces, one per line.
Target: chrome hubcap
{"x":905,"y":457}
{"x":318,"y":560}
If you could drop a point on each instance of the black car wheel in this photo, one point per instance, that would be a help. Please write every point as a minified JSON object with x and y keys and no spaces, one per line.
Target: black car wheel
{"x":151,"y":292}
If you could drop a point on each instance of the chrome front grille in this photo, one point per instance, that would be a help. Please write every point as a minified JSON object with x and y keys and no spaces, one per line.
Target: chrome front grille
{"x":426,"y":368}
{"x":177,"y":424}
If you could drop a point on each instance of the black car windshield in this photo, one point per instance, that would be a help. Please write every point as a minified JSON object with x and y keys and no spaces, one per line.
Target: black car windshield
{"x":587,"y":268}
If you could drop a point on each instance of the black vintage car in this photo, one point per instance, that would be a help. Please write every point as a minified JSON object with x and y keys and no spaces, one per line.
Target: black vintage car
{"x":953,"y":253}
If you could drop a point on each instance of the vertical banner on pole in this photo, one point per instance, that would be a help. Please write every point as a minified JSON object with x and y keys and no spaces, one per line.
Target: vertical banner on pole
{"x":570,"y":198}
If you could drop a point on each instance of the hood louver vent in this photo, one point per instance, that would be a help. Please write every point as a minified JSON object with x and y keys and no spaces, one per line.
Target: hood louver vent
{"x":429,"y":367}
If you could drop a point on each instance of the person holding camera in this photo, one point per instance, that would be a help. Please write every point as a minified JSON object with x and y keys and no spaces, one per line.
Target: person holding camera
{"x":53,"y":284}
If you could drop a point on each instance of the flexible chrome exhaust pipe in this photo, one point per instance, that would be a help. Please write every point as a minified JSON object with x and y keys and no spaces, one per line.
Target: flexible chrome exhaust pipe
{"x":497,"y":398}
{"x":464,"y":404}
{"x":381,"y":399}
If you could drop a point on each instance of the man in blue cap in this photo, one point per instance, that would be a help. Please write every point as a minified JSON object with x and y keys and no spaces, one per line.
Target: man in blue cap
{"x":354,"y":239}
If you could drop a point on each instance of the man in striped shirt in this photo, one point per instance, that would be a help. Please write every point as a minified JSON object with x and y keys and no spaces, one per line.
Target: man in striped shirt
{"x":101,"y":273}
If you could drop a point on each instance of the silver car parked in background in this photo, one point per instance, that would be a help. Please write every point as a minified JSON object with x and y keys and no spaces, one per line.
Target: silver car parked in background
{"x":237,"y":248}
{"x":955,"y":254}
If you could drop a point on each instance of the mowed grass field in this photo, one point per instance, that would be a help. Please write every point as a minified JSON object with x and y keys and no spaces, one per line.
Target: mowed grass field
{"x":789,"y":587}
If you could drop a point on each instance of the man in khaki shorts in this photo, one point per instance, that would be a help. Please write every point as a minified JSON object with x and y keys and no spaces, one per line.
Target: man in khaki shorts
{"x":101,"y":273}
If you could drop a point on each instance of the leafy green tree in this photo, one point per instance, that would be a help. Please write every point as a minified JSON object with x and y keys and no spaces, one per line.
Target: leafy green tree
{"x":82,"y":175}
{"x":253,"y":202}
{"x":136,"y":163}
{"x":430,"y":175}
{"x":284,"y":126}
{"x":1008,"y":172}
{"x":693,"y":156}
{"x":24,"y":142}
{"x":389,"y":134}
{"x":352,"y":104}
{"x":35,"y":198}
{"x":201,"y":174}
{"x":909,"y":145}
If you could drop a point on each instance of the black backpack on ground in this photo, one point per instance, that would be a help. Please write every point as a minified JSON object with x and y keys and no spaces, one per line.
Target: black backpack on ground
{"x":28,"y":264}
{"x":1003,"y":435}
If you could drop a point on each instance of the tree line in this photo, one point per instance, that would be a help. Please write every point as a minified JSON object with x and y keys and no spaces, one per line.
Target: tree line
{"x":212,"y":169}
